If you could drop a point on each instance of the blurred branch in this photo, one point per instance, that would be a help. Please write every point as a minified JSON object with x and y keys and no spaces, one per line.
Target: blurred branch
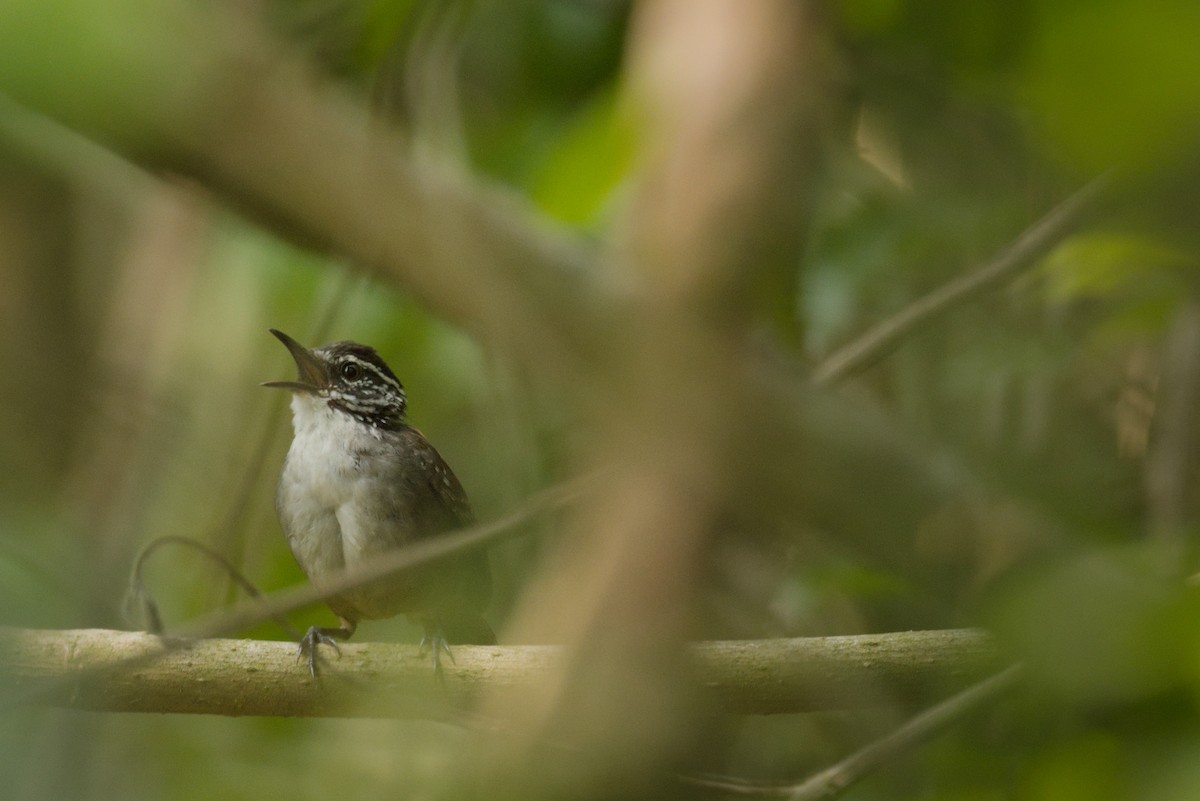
{"x":227,"y":105}
{"x":835,"y":780}
{"x":419,"y":554}
{"x":1034,"y":243}
{"x":119,"y":671}
{"x":253,"y":124}
{"x":729,"y":99}
{"x":55,"y":148}
{"x":1170,"y":470}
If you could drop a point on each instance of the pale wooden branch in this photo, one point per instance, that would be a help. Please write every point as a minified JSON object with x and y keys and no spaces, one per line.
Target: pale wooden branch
{"x":117,"y":671}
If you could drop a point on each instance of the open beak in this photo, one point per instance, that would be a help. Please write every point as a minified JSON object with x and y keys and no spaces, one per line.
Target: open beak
{"x":312,"y":370}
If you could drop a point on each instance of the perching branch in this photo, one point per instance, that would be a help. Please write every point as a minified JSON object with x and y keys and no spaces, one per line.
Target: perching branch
{"x":116,"y":671}
{"x":274,"y":606}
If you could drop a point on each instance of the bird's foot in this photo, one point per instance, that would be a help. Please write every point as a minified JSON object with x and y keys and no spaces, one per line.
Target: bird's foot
{"x":435,"y":641}
{"x":317,"y":635}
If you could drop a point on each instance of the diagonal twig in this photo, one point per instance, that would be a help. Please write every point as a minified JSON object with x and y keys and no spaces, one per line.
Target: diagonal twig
{"x":419,"y":554}
{"x":1031,"y":245}
{"x":836,"y":779}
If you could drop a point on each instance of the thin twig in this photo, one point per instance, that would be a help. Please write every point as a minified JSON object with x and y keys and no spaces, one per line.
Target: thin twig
{"x":1035,"y":242}
{"x":835,"y":780}
{"x":1170,"y":456}
{"x":736,"y":786}
{"x":149,"y":608}
{"x":444,"y":547}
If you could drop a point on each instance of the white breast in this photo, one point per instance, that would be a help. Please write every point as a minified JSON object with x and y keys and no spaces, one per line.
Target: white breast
{"x":321,"y":476}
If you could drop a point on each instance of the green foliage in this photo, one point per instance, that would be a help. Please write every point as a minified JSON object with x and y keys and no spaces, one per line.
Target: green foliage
{"x":1116,"y":87}
{"x":132,"y":345}
{"x":587,"y":164}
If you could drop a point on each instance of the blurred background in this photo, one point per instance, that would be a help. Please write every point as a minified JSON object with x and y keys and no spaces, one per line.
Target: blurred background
{"x":1057,"y":409}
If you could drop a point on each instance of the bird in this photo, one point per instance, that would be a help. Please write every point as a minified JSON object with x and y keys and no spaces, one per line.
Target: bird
{"x":358,"y":481}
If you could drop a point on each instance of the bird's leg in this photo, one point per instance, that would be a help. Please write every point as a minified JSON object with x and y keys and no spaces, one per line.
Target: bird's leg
{"x":328,"y":635}
{"x":434,"y":640}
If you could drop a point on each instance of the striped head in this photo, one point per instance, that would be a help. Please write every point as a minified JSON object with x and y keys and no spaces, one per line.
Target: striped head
{"x":350,"y":377}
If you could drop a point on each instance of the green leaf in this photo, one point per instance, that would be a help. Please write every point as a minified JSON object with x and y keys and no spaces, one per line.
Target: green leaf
{"x":1117,"y":83}
{"x":588,"y":163}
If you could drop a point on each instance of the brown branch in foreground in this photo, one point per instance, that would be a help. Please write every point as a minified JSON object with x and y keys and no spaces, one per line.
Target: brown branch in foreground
{"x":230,"y":106}
{"x":116,"y":671}
{"x":1035,"y":242}
{"x":320,"y":172}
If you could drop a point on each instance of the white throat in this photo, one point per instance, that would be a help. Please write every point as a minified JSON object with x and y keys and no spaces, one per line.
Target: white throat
{"x":328,"y":444}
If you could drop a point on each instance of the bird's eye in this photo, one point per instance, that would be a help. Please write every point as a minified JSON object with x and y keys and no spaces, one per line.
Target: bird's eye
{"x":350,"y":371}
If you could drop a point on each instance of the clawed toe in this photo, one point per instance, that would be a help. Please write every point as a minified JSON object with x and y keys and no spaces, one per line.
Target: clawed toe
{"x":435,"y":641}
{"x":308,"y":646}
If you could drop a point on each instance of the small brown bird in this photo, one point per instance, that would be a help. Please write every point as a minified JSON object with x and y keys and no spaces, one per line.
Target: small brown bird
{"x":358,"y":482}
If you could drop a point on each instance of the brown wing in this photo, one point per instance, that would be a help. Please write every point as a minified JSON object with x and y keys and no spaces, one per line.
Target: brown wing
{"x":440,"y":504}
{"x":438,"y":498}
